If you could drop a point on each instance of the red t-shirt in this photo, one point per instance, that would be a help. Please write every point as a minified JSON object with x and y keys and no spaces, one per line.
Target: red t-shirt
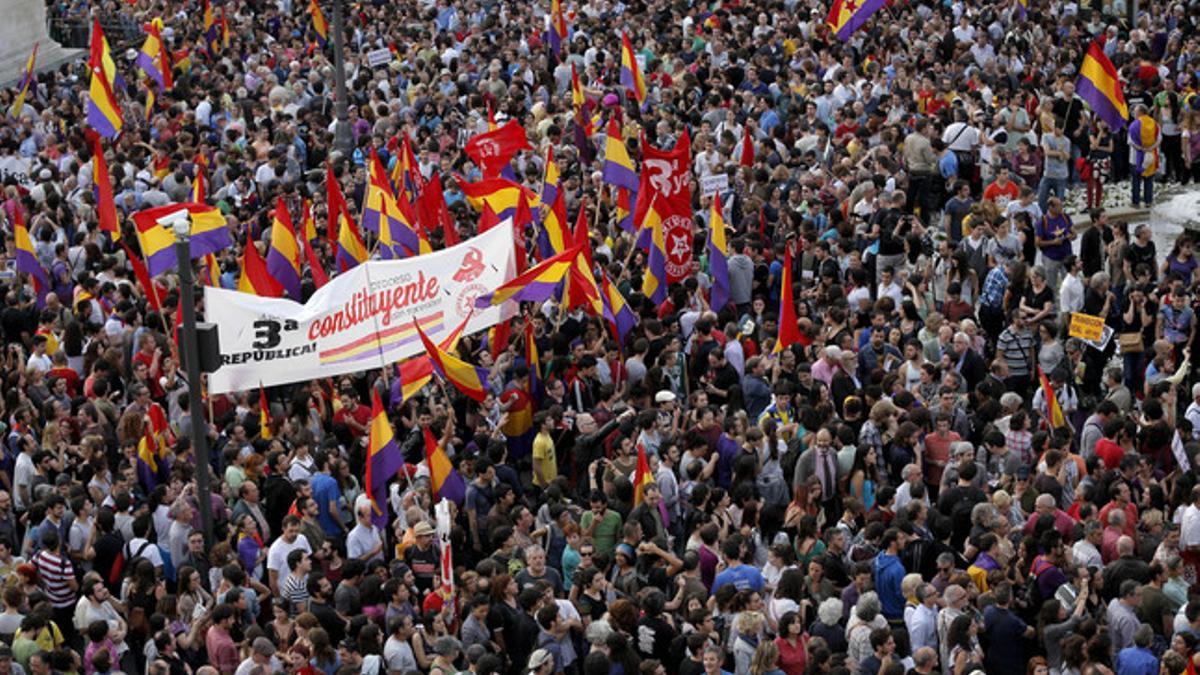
{"x":361,"y":414}
{"x":1109,"y":452}
{"x":995,"y":193}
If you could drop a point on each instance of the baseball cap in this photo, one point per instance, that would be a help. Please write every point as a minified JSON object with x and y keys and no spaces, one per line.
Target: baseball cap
{"x":664,"y":396}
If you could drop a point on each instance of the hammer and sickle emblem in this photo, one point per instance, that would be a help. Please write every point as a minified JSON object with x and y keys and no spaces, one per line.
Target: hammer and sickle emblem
{"x":471,"y":267}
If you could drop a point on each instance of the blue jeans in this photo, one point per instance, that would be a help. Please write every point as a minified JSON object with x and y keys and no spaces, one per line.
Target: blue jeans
{"x":1057,"y":185}
{"x":1143,"y":186}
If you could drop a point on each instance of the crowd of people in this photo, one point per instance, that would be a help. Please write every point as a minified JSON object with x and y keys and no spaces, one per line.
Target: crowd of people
{"x":935,"y":476}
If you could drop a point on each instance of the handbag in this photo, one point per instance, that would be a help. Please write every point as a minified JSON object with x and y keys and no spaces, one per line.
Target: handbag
{"x":1131,"y":343}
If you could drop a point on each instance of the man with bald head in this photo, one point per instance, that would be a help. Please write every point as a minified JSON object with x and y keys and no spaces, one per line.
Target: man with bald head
{"x":1045,"y":506}
{"x":1127,"y":566}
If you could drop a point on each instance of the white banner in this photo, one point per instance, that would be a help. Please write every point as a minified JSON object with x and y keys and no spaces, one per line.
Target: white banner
{"x":362,"y":319}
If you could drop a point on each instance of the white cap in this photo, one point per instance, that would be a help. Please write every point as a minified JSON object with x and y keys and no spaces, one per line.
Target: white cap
{"x":664,"y":396}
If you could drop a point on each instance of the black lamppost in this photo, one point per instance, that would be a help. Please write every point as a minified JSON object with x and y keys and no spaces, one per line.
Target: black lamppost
{"x":180,"y":223}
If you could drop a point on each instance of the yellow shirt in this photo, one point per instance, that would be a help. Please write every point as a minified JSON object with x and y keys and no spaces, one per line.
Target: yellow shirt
{"x":543,"y":456}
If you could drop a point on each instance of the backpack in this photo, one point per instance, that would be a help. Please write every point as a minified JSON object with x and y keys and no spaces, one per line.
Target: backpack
{"x":1033,"y":592}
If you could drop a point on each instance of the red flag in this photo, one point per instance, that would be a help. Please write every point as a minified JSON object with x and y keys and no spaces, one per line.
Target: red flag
{"x":521,"y":218}
{"x":789,"y":328}
{"x":106,"y":205}
{"x":498,"y":338}
{"x":334,"y":202}
{"x":580,"y":235}
{"x":431,"y":208}
{"x":143,"y":277}
{"x":747,"y":148}
{"x":487,"y":218}
{"x":319,"y":277}
{"x":670,"y":181}
{"x":494,"y":149}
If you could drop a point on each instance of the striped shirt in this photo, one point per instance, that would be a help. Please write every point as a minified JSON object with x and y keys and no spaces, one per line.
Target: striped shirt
{"x":1016,"y":349}
{"x":55,"y":575}
{"x":295,"y":591}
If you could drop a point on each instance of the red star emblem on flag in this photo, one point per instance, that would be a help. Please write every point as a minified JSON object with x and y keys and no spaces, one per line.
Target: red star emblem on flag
{"x":850,"y":6}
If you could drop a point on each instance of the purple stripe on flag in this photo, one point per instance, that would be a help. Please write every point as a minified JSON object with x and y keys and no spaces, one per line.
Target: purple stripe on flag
{"x":281,"y":268}
{"x":453,"y":488}
{"x":210,"y":241}
{"x":371,"y":219}
{"x":97,"y":120}
{"x":161,"y":261}
{"x":860,"y":17}
{"x":1099,"y":103}
{"x":621,"y":176}
{"x":148,"y":66}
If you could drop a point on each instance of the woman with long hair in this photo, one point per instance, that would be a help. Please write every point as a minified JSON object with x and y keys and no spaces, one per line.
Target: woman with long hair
{"x":809,"y":544}
{"x":864,"y":475}
{"x":964,"y":656}
{"x":1181,"y":261}
{"x":251,"y":551}
{"x":324,"y":656}
{"x":140,"y":596}
{"x":432,"y":627}
{"x":282,"y":628}
{"x":504,"y":611}
{"x":792,"y":644}
{"x":1054,"y":624}
{"x":194,"y":601}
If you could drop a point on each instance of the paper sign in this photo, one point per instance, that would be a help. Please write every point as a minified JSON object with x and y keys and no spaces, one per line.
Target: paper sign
{"x":1105,"y":338}
{"x":378,"y":57}
{"x":1086,"y":326}
{"x":711,"y":185}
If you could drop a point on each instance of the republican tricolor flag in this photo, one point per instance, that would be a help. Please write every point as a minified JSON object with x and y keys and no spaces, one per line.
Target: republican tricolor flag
{"x":847,"y":16}
{"x":153,"y":58}
{"x":444,"y":481}
{"x":283,"y":255}
{"x":384,"y":461}
{"x":106,"y":205}
{"x":642,"y":476}
{"x":467,"y":378}
{"x":789,"y":327}
{"x":1054,"y":413}
{"x":103,"y":112}
{"x":631,"y":72}
{"x":26,"y":83}
{"x":319,"y":25}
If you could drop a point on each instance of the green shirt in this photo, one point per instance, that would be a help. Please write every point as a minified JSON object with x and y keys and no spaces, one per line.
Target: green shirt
{"x":606,"y":532}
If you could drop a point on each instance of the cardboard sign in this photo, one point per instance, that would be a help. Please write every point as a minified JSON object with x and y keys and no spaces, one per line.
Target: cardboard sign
{"x":1086,"y":326}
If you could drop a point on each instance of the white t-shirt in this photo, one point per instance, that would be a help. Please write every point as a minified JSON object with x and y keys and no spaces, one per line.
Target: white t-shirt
{"x":1189,"y":531}
{"x":22,"y":475}
{"x":277,"y":555}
